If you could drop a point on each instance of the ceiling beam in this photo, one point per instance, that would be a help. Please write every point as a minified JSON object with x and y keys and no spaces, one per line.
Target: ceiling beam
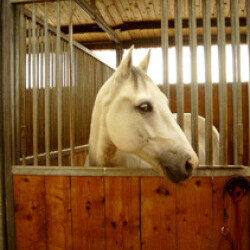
{"x":99,"y":20}
{"x":126,"y":26}
{"x":154,"y":42}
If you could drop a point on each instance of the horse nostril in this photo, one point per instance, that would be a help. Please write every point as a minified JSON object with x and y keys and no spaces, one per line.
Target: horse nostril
{"x":189,"y":166}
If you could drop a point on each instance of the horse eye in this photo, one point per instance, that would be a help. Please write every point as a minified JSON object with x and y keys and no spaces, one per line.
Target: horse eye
{"x":145,"y":107}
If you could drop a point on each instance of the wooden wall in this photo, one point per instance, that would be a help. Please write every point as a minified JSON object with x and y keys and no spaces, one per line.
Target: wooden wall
{"x":123,"y":213}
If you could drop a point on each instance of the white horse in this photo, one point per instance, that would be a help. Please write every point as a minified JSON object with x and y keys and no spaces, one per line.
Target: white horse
{"x":132,"y":126}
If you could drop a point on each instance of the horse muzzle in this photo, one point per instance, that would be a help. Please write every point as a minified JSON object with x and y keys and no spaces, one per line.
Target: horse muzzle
{"x":180,"y":171}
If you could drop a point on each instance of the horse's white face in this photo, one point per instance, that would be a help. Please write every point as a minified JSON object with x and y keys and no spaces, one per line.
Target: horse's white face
{"x":139,"y":121}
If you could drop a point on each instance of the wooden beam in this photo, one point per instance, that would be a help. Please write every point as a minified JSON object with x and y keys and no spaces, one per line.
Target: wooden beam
{"x":154,"y":42}
{"x":142,"y":25}
{"x":99,"y":20}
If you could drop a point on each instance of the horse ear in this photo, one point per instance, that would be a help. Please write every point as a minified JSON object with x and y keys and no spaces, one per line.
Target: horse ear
{"x":126,"y":63}
{"x":144,"y":63}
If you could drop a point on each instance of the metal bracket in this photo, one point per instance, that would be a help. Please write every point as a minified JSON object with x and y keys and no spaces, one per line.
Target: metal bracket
{"x":234,"y":182}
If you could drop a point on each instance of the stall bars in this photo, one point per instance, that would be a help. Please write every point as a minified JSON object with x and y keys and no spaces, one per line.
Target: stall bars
{"x":43,"y":48}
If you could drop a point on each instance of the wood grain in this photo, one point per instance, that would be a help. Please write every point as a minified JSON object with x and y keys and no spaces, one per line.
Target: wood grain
{"x":158,"y":205}
{"x":122,"y":211}
{"x":29,"y":202}
{"x":58,"y":213}
{"x":88,"y":222}
{"x":194,"y":214}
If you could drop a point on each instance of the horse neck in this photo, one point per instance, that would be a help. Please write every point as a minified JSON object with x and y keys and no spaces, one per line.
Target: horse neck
{"x":101,"y":149}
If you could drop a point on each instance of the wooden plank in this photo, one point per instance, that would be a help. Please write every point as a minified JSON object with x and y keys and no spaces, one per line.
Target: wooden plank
{"x":88,"y":221}
{"x":98,"y":19}
{"x":158,"y":205}
{"x":122,"y":212}
{"x":58,"y":212}
{"x":194,"y":214}
{"x":219,"y":183}
{"x":29,"y":201}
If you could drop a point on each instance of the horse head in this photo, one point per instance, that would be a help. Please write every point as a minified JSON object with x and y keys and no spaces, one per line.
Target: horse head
{"x":131,"y":117}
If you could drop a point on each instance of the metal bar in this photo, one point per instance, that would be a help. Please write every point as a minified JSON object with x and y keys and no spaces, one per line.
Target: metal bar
{"x":248,"y":45}
{"x":119,"y":53}
{"x":164,"y":45}
{"x":179,"y":76}
{"x":54,"y":154}
{"x":34,"y":86}
{"x":234,"y":87}
{"x":72,"y":82}
{"x":121,"y":171}
{"x":22,"y":82}
{"x":99,"y":20}
{"x":47,"y":86}
{"x":15,"y":92}
{"x":59,"y":86}
{"x":237,"y":88}
{"x":194,"y":86}
{"x":223,"y":119}
{"x":6,"y":82}
{"x":66,"y":38}
{"x":208,"y":84}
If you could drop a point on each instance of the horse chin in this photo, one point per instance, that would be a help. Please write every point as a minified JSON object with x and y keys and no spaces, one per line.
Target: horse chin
{"x":173,"y":176}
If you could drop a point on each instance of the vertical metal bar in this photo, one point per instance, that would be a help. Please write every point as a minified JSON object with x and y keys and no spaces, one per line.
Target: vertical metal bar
{"x":222,"y":83}
{"x":119,"y":53}
{"x":22,"y":79}
{"x":208,"y":82}
{"x":164,"y":45}
{"x":15,"y":93}
{"x":248,"y":45}
{"x":34,"y":85}
{"x":47,"y":86}
{"x":72,"y":87}
{"x":179,"y":76}
{"x":6,"y":82}
{"x":234,"y":87}
{"x":237,"y":88}
{"x":194,"y":87}
{"x":59,"y":86}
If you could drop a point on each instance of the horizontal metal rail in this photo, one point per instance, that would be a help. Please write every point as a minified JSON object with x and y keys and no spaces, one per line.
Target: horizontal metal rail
{"x":205,"y":171}
{"x":54,"y":154}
